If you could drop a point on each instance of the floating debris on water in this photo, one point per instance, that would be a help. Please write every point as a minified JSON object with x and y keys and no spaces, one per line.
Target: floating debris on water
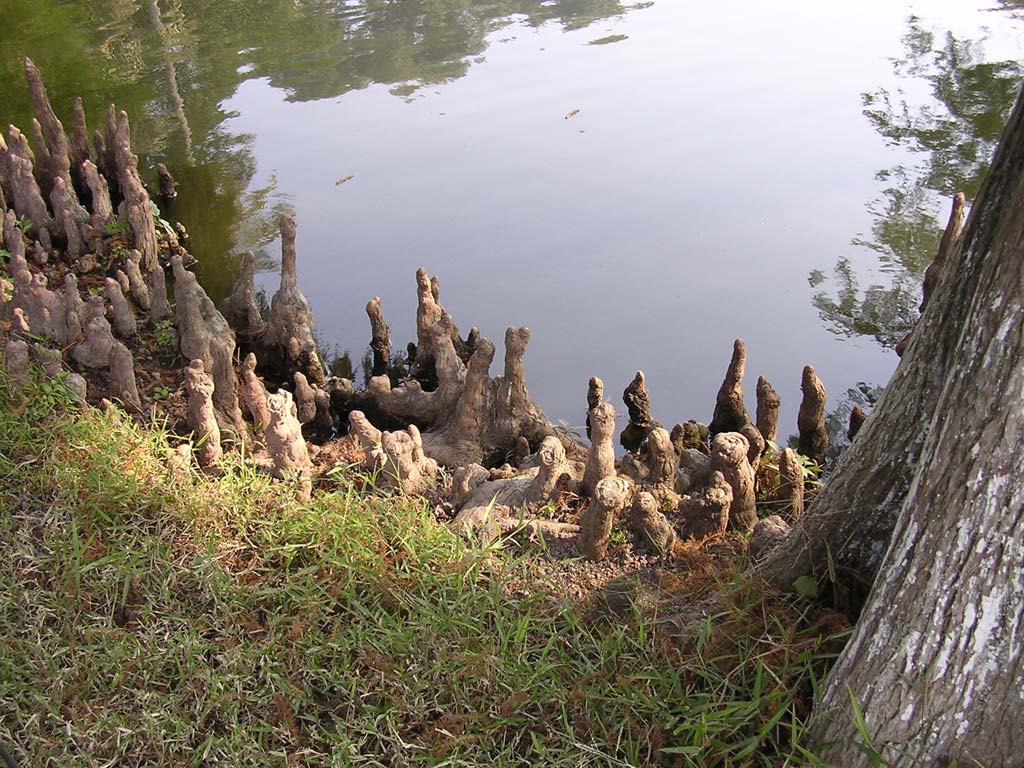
{"x":608,"y":39}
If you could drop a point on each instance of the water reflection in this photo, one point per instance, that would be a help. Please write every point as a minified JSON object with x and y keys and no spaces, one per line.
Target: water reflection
{"x":172,"y":66}
{"x":955,"y":131}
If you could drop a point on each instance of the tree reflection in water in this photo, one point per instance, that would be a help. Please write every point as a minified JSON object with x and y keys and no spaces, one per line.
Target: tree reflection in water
{"x":955,"y":132}
{"x":173,"y":64}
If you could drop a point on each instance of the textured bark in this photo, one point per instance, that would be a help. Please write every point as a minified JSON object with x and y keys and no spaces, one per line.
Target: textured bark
{"x":225,"y":390}
{"x":68,"y":227}
{"x":610,"y":497}
{"x":16,"y":358}
{"x":410,"y":401}
{"x":768,"y":402}
{"x":123,"y":281}
{"x":159,"y":308}
{"x":138,"y":209}
{"x":706,"y":512}
{"x":122,"y":377}
{"x":601,"y":458}
{"x":305,"y":399}
{"x":201,"y":416}
{"x":109,"y":152}
{"x":137,"y":286}
{"x":638,"y":403}
{"x":767,"y":534}
{"x":53,"y":130}
{"x":254,"y":395}
{"x":729,"y":456}
{"x":124,"y":319}
{"x":43,"y":308}
{"x":694,"y":470}
{"x":20,"y":326}
{"x":757,"y":444}
{"x":71,"y":216}
{"x":99,"y":145}
{"x":459,"y":434}
{"x":26,"y":197}
{"x":241,"y":309}
{"x":811,"y":418}
{"x":194,"y":333}
{"x":324,"y":417}
{"x":661,"y":458}
{"x":790,"y":492}
{"x":42,"y":163}
{"x":380,"y":337}
{"x":465,"y":480}
{"x":595,"y":395}
{"x":857,"y":418}
{"x":730,"y":412}
{"x":937,"y":658}
{"x":428,"y":314}
{"x":285,"y":445}
{"x":690,"y":435}
{"x":496,"y":505}
{"x":291,"y":323}
{"x":397,"y":456}
{"x":954,"y":227}
{"x":650,"y":523}
{"x":102,"y":208}
{"x":6,"y":199}
{"x":168,"y":187}
{"x":79,"y":139}
{"x":489,"y":415}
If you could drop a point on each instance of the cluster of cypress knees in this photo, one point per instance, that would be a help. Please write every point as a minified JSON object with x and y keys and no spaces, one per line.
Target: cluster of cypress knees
{"x":67,"y":203}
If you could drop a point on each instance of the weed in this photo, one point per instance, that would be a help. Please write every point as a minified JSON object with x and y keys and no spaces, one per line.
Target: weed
{"x":163,"y":335}
{"x":161,"y":222}
{"x":114,"y":228}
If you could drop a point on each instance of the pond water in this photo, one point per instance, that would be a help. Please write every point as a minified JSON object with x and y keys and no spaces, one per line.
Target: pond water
{"x":639,"y":183}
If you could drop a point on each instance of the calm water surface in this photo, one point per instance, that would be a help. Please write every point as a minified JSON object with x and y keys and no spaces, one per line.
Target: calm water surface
{"x":639,"y":183}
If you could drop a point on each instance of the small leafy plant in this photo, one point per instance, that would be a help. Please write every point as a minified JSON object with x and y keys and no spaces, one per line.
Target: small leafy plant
{"x":162,"y":222}
{"x":164,"y":334}
{"x":113,"y":228}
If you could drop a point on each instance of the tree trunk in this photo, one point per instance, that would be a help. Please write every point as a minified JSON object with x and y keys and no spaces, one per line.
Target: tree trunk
{"x":936,"y":661}
{"x":851,"y":521}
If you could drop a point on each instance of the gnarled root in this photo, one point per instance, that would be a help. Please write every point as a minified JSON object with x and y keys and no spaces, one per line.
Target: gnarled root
{"x":730,"y":412}
{"x":610,"y":498}
{"x":285,"y":444}
{"x":491,"y":505}
{"x":811,"y":419}
{"x":650,"y":524}
{"x":729,"y":452}
{"x":398,"y":456}
{"x":706,"y":511}
{"x":638,"y":403}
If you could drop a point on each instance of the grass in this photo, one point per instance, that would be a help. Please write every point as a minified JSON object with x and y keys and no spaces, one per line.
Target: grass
{"x":153,"y":619}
